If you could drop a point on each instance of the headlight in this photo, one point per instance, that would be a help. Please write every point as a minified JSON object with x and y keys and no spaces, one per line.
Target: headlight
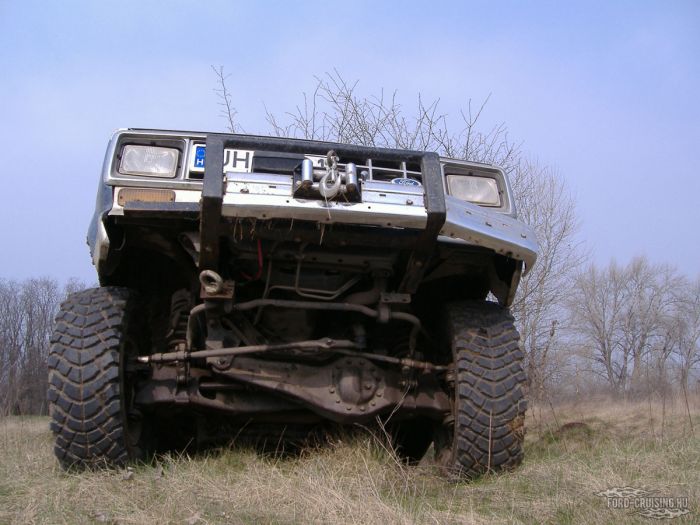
{"x":149,"y":161}
{"x":479,"y":190}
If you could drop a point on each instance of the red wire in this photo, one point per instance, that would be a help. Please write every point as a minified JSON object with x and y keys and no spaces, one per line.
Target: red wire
{"x":260,"y":265}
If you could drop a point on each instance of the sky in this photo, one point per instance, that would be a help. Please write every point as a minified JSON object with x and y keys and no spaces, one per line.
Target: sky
{"x":607,"y":93}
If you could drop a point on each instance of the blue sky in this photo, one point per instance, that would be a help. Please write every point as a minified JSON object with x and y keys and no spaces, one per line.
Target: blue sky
{"x":606,"y":92}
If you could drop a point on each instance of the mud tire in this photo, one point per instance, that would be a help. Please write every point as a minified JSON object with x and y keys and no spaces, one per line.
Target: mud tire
{"x":487,"y":430}
{"x":89,"y":392}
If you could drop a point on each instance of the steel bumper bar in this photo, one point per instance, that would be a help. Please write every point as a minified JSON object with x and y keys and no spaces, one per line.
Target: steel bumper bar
{"x":442,"y":218}
{"x":213,"y":192}
{"x":465,"y":223}
{"x":481,"y":227}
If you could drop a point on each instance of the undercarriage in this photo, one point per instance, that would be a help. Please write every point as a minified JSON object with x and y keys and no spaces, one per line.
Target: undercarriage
{"x":227,"y":316}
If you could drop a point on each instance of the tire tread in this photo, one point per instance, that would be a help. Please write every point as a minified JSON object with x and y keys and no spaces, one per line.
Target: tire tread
{"x":490,"y":403}
{"x":85,"y":398}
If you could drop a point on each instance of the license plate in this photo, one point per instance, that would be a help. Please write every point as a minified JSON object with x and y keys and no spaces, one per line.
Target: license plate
{"x":236,"y":160}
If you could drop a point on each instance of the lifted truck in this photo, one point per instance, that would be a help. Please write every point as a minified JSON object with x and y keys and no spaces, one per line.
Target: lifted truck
{"x":273,"y":287}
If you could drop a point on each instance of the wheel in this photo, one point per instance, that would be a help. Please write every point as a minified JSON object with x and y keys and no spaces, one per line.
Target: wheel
{"x":90,"y":392}
{"x":487,"y":429}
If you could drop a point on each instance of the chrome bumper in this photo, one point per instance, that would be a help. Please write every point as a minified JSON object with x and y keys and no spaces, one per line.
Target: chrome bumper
{"x":465,"y":223}
{"x":427,"y":209}
{"x":480,"y":227}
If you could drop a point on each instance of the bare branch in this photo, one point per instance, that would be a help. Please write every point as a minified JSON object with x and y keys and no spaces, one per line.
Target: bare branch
{"x":227,"y":111}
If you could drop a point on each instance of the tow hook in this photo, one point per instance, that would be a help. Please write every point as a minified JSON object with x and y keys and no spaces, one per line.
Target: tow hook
{"x":332,"y":184}
{"x":332,"y":176}
{"x":211,"y":281}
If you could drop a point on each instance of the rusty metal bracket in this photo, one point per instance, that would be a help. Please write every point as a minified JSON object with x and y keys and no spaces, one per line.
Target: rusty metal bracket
{"x":213,"y":190}
{"x":437,"y":214}
{"x":211,"y":203}
{"x":225,"y":293}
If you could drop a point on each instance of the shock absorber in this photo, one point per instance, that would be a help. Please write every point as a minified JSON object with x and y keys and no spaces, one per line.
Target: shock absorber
{"x":179,"y":313}
{"x":176,"y":337}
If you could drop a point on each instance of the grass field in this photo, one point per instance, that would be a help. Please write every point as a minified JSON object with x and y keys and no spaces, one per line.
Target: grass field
{"x":640,"y":445}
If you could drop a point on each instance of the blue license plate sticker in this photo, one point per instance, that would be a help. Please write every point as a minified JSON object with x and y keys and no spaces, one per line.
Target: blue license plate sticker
{"x":200,"y":154}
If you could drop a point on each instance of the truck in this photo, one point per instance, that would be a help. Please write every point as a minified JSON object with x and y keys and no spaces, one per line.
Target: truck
{"x":277,"y":289}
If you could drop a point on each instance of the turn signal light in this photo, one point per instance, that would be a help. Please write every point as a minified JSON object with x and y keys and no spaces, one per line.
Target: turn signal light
{"x":144,"y":195}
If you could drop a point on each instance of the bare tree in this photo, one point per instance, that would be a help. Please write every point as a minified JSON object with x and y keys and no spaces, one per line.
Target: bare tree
{"x":27,"y":311}
{"x":227,"y":110}
{"x":686,"y":329}
{"x":626,"y":319}
{"x":544,"y":202}
{"x":336,"y":111}
{"x":596,"y":308}
{"x":649,"y":292}
{"x":11,"y":327}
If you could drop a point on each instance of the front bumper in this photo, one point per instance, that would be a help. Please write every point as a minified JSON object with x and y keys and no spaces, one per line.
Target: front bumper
{"x":427,"y":211}
{"x":465,"y":222}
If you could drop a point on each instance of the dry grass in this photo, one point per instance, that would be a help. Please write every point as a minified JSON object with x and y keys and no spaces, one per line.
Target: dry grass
{"x":360,"y":482}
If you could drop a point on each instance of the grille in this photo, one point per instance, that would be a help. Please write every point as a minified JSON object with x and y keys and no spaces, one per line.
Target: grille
{"x":382,"y":170}
{"x":376,"y":170}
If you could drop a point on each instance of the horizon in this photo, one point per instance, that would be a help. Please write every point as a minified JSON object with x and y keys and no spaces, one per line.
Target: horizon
{"x":605,"y":95}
